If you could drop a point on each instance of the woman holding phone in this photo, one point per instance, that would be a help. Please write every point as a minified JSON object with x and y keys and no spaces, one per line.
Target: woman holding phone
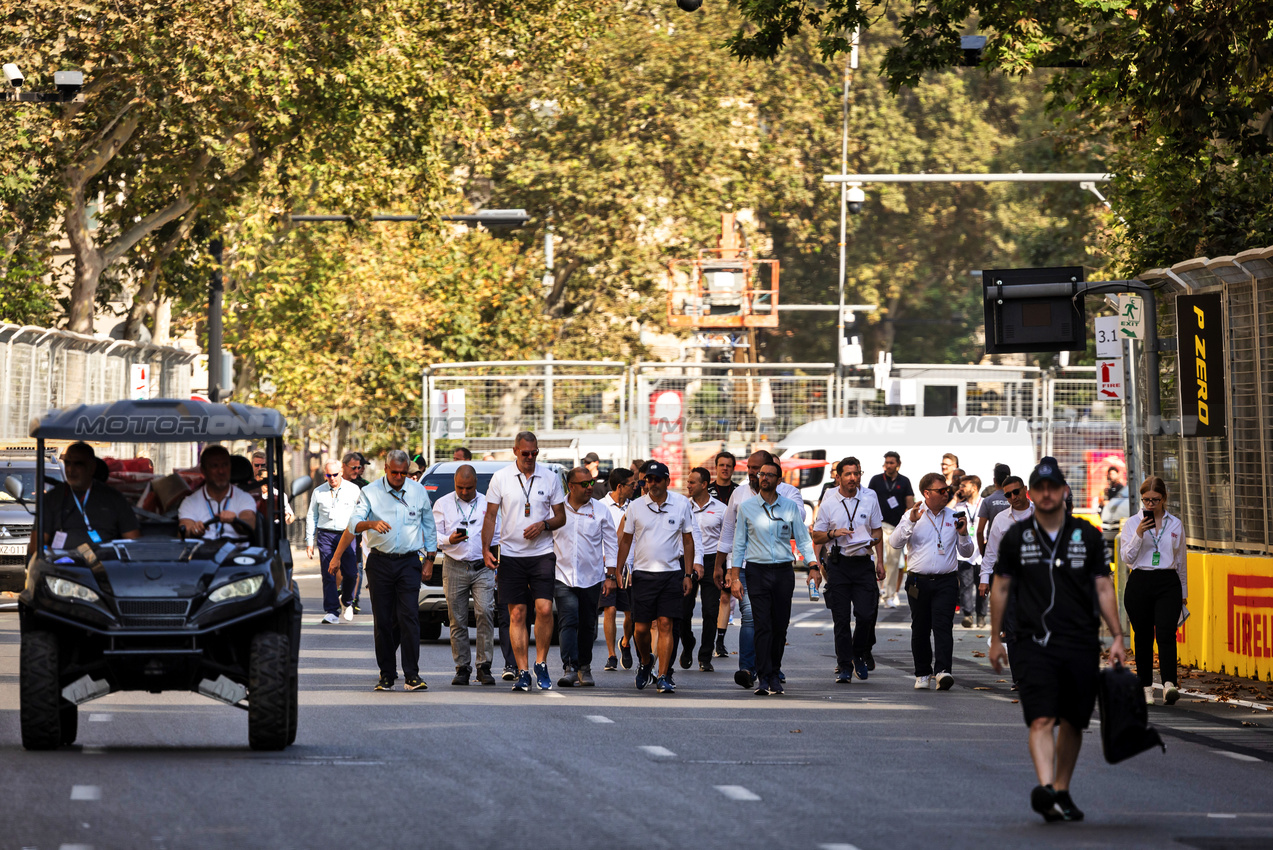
{"x":1153,"y":548}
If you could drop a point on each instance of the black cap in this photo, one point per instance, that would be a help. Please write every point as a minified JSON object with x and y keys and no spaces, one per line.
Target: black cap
{"x":654,"y":469}
{"x":1047,"y":470}
{"x":591,"y":457}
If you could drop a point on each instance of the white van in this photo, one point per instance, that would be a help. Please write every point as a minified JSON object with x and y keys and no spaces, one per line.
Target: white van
{"x":979,"y":442}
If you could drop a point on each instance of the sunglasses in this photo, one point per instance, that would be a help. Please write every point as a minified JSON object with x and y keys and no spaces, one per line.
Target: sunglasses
{"x":938,"y":490}
{"x":395,"y":473}
{"x":587,"y":483}
{"x":260,"y":465}
{"x":1012,"y":494}
{"x":767,"y":475}
{"x":331,"y":474}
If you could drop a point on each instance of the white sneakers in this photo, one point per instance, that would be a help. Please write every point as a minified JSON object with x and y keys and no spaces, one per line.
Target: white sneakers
{"x":945,"y":681}
{"x":1170,"y":693}
{"x":348,"y":614}
{"x":330,"y":620}
{"x":942,"y":681}
{"x":921,"y":683}
{"x":1149,"y":695}
{"x":891,"y":601}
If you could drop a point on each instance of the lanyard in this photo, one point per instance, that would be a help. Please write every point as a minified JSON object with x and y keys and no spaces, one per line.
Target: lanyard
{"x":88,"y":526}
{"x":1156,"y":537}
{"x":941,"y":550}
{"x":851,"y":511}
{"x":530,"y":482}
{"x":459,"y":511}
{"x":891,"y":486}
{"x":589,"y":514}
{"x":216,"y":512}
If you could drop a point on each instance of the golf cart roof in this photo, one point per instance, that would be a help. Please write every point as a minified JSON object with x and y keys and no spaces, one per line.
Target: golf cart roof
{"x":159,"y":420}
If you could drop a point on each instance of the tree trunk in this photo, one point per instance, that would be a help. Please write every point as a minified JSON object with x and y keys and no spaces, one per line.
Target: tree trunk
{"x":162,"y":334}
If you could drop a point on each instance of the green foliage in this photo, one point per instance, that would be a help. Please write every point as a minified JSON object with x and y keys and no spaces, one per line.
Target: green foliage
{"x":668,"y":132}
{"x":1179,"y":93}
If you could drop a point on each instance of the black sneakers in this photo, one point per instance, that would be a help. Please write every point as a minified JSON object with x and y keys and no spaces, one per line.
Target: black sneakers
{"x":1069,"y":811}
{"x":461,"y":676}
{"x":385,"y":684}
{"x":1043,"y":800}
{"x":415,"y":683}
{"x":687,"y":653}
{"x":484,"y":676}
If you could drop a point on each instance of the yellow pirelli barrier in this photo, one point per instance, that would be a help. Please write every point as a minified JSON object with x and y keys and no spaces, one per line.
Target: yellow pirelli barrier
{"x":1230,"y":629}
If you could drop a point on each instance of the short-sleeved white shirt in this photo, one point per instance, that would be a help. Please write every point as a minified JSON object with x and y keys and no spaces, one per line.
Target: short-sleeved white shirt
{"x":709,"y":519}
{"x":859,"y":513}
{"x":201,"y":507}
{"x":512,"y":492}
{"x":656,"y":532}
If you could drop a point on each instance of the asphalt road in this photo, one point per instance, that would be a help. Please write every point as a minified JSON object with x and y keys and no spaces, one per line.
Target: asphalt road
{"x":870,"y":765}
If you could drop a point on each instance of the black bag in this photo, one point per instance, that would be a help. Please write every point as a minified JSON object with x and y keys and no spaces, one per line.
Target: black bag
{"x":1125,"y":729}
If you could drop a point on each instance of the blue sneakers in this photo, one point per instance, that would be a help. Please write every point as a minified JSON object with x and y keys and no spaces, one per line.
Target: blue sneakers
{"x":859,"y":665}
{"x":541,"y":676}
{"x":523,"y":681}
{"x":666,"y":685}
{"x":645,"y":675}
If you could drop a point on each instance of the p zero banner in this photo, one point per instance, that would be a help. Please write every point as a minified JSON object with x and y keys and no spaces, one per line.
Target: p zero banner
{"x":1200,"y":364}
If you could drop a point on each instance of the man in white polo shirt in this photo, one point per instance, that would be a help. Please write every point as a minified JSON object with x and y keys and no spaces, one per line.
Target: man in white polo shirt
{"x":660,"y":528}
{"x":458,"y":516}
{"x":527,"y":500}
{"x":937,"y":538}
{"x":850,"y":524}
{"x":708,"y":514}
{"x":585,"y":549}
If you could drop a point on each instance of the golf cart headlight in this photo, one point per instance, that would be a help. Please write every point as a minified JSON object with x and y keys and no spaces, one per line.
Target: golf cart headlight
{"x":69,"y":589}
{"x":237,"y":589}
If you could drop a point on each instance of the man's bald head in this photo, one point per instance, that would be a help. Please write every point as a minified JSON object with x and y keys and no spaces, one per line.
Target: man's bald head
{"x":466,"y":483}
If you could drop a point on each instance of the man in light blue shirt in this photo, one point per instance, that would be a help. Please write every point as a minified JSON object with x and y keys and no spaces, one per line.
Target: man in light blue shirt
{"x":398,"y":518}
{"x":330,"y":508}
{"x":766,"y":527}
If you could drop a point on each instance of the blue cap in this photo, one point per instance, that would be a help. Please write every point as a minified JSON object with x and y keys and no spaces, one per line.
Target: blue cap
{"x":654,"y":469}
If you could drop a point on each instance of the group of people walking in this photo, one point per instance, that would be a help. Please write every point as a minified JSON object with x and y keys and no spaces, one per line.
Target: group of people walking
{"x":657,"y":555}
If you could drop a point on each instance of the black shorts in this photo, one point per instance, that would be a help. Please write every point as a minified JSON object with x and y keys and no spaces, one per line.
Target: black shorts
{"x":657,"y":595}
{"x":620,"y":599}
{"x":1055,"y":682}
{"x":520,"y":581}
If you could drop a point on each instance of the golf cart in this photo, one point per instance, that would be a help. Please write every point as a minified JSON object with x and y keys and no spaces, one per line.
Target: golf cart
{"x":219,"y":617}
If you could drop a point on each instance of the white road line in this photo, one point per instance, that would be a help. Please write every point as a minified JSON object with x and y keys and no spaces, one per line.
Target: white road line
{"x":737,"y":792}
{"x":658,"y":752}
{"x":75,"y":847}
{"x":90,"y":750}
{"x":554,"y":695}
{"x":1236,"y":756}
{"x":86,"y":792}
{"x":837,"y":847}
{"x":817,"y":624}
{"x":1222,"y":816}
{"x":597,"y":718}
{"x":100,"y":718}
{"x":806,"y":615}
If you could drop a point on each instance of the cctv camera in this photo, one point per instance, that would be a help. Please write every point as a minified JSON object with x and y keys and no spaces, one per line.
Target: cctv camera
{"x":68,"y":82}
{"x":856,"y":198}
{"x":12,"y":74}
{"x":689,"y":5}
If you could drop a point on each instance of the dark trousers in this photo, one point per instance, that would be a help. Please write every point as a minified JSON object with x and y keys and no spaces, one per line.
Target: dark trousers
{"x":349,"y":564}
{"x":1152,"y":600}
{"x":852,"y":591}
{"x":969,"y":600}
{"x":576,"y":622}
{"x":394,"y":583}
{"x":932,"y":600}
{"x":770,"y":587}
{"x":709,"y":594}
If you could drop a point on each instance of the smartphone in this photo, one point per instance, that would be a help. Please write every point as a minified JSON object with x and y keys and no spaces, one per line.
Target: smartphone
{"x":1149,"y":517}
{"x":463,"y":531}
